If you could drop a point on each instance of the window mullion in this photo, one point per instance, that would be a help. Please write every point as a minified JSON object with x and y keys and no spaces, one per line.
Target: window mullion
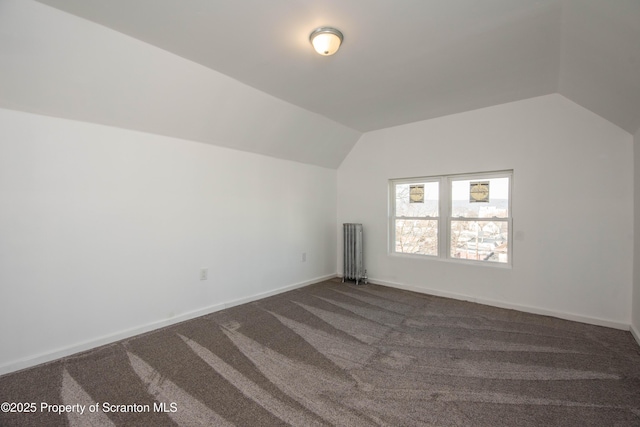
{"x":445,"y":215}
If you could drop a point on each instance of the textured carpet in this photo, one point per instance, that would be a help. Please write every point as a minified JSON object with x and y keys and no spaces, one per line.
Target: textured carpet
{"x":337,"y":354}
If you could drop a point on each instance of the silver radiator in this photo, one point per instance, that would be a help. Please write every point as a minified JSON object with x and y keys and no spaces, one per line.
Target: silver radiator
{"x":353,"y":254}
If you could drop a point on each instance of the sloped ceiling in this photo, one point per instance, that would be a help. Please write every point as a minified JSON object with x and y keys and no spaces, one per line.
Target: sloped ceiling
{"x":600,"y":58}
{"x":56,"y":64}
{"x":402,"y":60}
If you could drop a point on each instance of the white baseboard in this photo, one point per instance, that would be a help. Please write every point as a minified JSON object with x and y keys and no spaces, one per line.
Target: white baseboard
{"x":262,"y":295}
{"x":635,"y":333}
{"x":501,"y":304}
{"x":49,"y":356}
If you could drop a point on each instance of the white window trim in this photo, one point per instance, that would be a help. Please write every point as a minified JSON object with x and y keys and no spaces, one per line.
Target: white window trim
{"x":445,"y":218}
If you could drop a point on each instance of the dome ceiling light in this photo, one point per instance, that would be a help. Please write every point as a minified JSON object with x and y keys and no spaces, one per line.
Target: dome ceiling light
{"x":326,"y":40}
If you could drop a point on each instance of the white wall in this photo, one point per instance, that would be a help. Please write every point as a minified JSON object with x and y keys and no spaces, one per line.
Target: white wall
{"x":103,"y":232}
{"x":635,"y":321}
{"x":572,"y":206}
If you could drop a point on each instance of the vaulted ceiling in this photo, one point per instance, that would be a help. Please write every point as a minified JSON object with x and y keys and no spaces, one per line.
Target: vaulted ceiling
{"x":402,"y":60}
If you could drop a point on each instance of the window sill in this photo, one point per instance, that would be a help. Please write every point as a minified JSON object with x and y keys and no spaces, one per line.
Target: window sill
{"x":470,"y":263}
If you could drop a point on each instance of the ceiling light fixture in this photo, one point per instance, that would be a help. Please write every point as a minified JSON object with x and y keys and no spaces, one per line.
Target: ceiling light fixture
{"x":326,"y":40}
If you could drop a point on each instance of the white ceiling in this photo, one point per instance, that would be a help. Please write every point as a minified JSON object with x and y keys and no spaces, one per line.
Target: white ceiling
{"x":401,"y":60}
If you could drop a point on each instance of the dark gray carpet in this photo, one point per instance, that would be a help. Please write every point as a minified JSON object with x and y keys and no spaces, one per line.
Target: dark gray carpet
{"x":337,"y":354}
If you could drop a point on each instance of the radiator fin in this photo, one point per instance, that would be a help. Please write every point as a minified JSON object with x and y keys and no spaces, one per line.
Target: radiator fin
{"x":353,"y":253}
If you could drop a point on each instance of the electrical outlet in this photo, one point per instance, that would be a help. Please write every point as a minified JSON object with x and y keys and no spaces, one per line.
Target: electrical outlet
{"x":304,"y":257}
{"x":204,"y":273}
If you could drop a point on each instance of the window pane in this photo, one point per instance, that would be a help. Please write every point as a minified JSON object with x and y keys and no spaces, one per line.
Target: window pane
{"x":480,"y":198}
{"x":417,"y":199}
{"x":417,"y":237}
{"x":480,"y":240}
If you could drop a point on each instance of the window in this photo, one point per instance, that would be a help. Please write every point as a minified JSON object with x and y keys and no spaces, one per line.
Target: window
{"x":460,"y":217}
{"x":417,"y":217}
